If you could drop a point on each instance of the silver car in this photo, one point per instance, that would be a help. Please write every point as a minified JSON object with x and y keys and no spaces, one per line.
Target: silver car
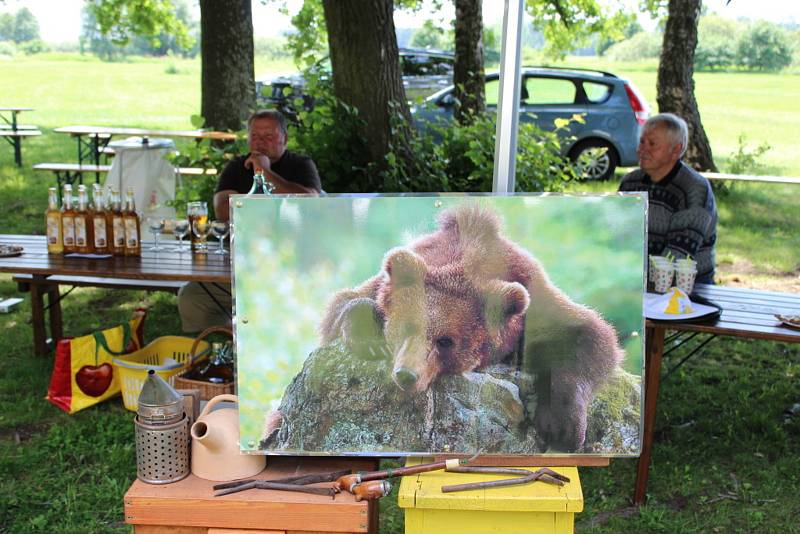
{"x":612,"y":108}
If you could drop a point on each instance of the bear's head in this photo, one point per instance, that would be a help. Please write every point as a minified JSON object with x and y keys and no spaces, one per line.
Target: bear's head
{"x":436,"y":321}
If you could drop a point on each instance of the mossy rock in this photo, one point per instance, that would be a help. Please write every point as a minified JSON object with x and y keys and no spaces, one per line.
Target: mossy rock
{"x":341,"y":404}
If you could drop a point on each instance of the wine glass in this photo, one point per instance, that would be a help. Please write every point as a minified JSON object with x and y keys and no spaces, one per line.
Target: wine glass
{"x":156,"y":226}
{"x":200,"y":228}
{"x":220,"y":231}
{"x":181,"y":229}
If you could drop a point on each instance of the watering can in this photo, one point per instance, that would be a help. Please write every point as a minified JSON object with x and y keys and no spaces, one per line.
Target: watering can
{"x":215,"y":444}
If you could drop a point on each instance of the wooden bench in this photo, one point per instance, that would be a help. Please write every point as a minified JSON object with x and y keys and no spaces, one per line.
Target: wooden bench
{"x":19,"y":127}
{"x":14,"y":137}
{"x":49,"y":286}
{"x":751,"y":178}
{"x":68,"y":173}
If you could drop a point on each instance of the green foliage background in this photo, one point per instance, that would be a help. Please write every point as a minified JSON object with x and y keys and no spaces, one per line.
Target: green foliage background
{"x":292,"y":254}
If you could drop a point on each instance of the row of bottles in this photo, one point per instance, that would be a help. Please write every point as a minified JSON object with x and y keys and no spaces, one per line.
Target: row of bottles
{"x":102,"y":227}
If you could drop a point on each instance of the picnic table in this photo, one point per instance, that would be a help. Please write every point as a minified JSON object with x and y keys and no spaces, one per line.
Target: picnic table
{"x":13,"y":132}
{"x":155,"y":271}
{"x":93,"y":139}
{"x":746,"y":313}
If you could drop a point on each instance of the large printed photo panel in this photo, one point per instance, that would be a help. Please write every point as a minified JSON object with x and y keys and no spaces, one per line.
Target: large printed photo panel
{"x":375,"y":325}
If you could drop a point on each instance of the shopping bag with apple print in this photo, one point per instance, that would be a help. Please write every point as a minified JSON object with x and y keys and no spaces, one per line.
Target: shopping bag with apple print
{"x":83,"y":374}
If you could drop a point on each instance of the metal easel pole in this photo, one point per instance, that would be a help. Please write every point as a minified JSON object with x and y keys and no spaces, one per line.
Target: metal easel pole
{"x":505,"y":148}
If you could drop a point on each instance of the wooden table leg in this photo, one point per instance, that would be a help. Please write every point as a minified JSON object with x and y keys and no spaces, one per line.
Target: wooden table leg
{"x":54,"y":307}
{"x":37,"y":319}
{"x":654,"y":350}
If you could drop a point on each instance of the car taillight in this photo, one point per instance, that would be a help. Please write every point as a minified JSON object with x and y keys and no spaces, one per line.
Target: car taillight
{"x":637,"y":104}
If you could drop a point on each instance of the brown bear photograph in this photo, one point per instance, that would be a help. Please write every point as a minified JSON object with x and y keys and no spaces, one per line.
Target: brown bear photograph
{"x":502,"y":325}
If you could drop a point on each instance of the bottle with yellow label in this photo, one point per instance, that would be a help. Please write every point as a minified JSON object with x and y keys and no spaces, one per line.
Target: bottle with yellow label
{"x":68,"y":220}
{"x":133,"y":245}
{"x":84,"y":240}
{"x":55,"y":241}
{"x":99,"y":222}
{"x":117,"y":225}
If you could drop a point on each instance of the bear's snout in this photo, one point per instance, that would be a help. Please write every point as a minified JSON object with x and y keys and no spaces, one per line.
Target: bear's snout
{"x":406,"y":379}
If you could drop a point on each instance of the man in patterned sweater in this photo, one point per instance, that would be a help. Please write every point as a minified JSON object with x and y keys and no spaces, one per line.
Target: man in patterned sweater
{"x":682,"y":214}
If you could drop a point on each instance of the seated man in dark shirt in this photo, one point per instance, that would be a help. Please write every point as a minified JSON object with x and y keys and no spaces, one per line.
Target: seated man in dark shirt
{"x":288,"y":172}
{"x":205,"y":305}
{"x":682,"y":212}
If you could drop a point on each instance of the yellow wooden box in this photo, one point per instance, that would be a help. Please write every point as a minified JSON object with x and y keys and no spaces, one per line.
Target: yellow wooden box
{"x":530,"y":509}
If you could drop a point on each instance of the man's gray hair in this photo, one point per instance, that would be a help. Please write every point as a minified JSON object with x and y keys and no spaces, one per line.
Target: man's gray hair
{"x":273,"y":114}
{"x":676,"y":128}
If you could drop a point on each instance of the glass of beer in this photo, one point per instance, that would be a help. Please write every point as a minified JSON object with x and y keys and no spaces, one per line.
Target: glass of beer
{"x":197,"y":213}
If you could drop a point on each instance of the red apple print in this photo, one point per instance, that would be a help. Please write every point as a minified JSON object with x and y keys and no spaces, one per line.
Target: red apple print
{"x":94,"y":380}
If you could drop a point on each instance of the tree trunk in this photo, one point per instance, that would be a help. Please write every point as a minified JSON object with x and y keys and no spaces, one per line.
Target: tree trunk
{"x":227,"y":79}
{"x":468,"y":73}
{"x":366,"y":70}
{"x":676,"y":82}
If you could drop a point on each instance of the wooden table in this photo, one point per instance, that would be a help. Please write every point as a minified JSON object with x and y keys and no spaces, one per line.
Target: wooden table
{"x":189,"y":506}
{"x":746,"y":313}
{"x":142,"y":272}
{"x":14,"y":132}
{"x":93,"y":139}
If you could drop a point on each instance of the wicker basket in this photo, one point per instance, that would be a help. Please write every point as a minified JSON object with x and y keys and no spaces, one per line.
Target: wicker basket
{"x":132,"y":368}
{"x":207,"y":390}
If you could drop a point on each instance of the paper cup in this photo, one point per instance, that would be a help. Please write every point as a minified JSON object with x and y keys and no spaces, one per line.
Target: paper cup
{"x":685,"y":263}
{"x":654,"y":260}
{"x":684,"y":279}
{"x":662,"y":276}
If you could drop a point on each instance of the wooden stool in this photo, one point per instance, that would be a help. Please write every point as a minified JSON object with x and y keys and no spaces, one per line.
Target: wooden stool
{"x":189,"y":506}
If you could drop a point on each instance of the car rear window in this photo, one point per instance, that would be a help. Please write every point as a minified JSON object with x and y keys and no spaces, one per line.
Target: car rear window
{"x":596,"y":92}
{"x":548,"y":91}
{"x":492,"y":89}
{"x":422,"y":65}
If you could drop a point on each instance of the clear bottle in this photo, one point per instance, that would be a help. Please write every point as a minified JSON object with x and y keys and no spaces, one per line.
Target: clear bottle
{"x":117,"y":224}
{"x":219,"y":369}
{"x":259,"y":183}
{"x":68,"y":220}
{"x":55,"y":240}
{"x":100,"y":224}
{"x":133,"y":245}
{"x":84,"y":240}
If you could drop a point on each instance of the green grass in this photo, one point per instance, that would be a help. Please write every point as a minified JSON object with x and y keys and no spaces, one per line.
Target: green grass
{"x":726,"y":455}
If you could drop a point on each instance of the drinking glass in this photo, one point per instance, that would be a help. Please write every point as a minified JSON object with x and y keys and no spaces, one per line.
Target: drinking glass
{"x":181,"y":229}
{"x":220,"y":231}
{"x":200,"y":228}
{"x":196,"y":211}
{"x":156,"y":226}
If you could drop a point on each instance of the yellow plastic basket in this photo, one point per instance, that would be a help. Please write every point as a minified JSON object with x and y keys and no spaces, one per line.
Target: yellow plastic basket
{"x":166,"y":355}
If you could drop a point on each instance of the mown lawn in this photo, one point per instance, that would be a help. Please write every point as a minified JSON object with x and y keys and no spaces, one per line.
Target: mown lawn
{"x":727,"y":444}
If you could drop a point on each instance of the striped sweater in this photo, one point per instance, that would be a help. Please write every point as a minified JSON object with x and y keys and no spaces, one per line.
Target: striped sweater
{"x":682,"y":216}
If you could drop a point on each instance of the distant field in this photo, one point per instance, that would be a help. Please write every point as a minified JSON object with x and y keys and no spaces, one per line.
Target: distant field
{"x":71,"y":89}
{"x":165,"y":92}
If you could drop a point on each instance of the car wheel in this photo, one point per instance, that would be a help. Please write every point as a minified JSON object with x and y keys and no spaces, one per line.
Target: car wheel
{"x":595,"y":159}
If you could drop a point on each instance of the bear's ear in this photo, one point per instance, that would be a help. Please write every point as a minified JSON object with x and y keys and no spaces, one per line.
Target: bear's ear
{"x":404,"y":267}
{"x":504,"y":300}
